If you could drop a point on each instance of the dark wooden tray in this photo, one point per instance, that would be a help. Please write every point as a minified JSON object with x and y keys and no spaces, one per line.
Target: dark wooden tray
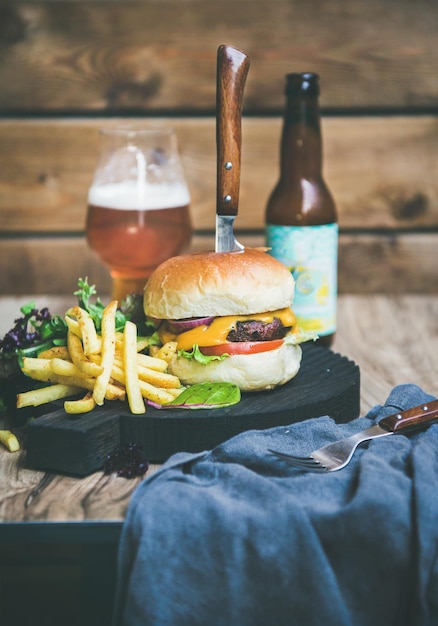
{"x":327,"y":384}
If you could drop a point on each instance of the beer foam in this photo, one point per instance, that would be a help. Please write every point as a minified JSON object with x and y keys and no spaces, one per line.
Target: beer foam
{"x":129,"y":196}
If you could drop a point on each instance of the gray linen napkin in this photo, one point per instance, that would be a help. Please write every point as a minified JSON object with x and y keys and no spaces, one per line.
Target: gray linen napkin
{"x":235,"y":536}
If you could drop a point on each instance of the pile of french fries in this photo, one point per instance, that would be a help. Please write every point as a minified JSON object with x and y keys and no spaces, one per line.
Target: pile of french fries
{"x":99,"y":367}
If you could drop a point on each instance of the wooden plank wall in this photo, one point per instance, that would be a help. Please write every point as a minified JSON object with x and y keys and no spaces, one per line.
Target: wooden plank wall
{"x":68,"y":68}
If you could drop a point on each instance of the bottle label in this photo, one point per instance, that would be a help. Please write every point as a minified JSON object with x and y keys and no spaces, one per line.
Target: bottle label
{"x":311,"y":254}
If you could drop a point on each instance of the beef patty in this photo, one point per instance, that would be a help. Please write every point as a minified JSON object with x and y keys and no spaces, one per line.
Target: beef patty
{"x":254,"y":330}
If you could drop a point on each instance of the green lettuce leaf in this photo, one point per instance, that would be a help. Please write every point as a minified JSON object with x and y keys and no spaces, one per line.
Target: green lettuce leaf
{"x":195,"y":353}
{"x":154,"y":339}
{"x":206,"y":396}
{"x":300,"y":337}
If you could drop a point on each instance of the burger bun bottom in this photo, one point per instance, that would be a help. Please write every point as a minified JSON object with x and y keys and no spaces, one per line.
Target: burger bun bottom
{"x":250,"y":372}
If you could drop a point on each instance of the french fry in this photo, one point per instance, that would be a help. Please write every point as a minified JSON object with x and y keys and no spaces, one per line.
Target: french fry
{"x":73,"y":325}
{"x":83,"y":405}
{"x":118,"y":375}
{"x":108,"y":351}
{"x":151,"y":362}
{"x":75,"y":378}
{"x":64,"y":370}
{"x":175,"y":392}
{"x":9,"y":440}
{"x":44,"y":395}
{"x":153,"y":350}
{"x":133,"y":393}
{"x":156,"y":394}
{"x":92,"y":343}
{"x":36,"y":368}
{"x":90,"y":340}
{"x":61,"y":352}
{"x":46,"y":374}
{"x":160,"y":379}
{"x":113,"y":392}
{"x":144,"y":360}
{"x":67,"y":368}
{"x":142,"y":342}
{"x":78,"y":357}
{"x":167,"y":351}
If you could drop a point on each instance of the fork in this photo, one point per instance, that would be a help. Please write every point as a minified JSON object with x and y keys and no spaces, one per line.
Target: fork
{"x":337,"y":455}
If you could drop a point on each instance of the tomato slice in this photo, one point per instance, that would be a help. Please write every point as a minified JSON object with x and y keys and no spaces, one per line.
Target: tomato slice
{"x":241,"y":347}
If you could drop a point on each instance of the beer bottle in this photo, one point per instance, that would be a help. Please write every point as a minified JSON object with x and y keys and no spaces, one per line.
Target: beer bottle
{"x":301,"y":220}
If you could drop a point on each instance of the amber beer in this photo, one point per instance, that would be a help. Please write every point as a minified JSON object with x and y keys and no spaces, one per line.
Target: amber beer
{"x":132,"y":234}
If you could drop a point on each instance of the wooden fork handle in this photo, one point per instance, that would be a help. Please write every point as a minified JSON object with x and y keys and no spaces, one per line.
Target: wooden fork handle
{"x":417,"y":417}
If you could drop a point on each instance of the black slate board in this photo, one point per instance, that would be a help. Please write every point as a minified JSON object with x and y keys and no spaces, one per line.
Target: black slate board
{"x":327,"y":384}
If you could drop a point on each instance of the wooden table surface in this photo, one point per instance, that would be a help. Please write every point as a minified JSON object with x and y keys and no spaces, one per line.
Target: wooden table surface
{"x":393,"y":339}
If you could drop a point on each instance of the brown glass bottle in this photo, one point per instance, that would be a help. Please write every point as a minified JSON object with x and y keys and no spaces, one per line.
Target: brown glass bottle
{"x":301,"y":220}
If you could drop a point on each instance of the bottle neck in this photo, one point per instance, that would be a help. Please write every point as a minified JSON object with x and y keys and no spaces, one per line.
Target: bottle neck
{"x":301,"y":143}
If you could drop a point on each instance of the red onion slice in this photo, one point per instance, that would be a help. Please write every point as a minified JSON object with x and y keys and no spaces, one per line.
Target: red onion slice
{"x":179,"y":326}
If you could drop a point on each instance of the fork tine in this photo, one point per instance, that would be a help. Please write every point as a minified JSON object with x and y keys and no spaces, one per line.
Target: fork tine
{"x":311,"y":467}
{"x":308,"y":463}
{"x":305,"y":462}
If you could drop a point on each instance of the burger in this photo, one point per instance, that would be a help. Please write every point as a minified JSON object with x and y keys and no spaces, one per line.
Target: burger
{"x":230,"y":316}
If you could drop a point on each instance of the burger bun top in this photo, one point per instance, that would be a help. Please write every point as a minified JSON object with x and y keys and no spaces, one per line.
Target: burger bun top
{"x":217,"y":284}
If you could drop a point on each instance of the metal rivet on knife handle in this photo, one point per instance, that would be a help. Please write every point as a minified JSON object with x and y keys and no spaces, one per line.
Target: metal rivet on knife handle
{"x":411,"y":418}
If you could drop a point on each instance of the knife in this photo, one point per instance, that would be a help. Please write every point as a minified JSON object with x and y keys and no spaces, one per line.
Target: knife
{"x":232,"y":70}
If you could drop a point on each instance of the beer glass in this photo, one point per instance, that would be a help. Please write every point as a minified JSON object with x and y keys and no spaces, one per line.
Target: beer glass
{"x":138,"y":205}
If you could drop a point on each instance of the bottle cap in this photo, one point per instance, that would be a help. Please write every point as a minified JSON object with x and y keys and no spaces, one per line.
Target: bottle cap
{"x":306,"y":83}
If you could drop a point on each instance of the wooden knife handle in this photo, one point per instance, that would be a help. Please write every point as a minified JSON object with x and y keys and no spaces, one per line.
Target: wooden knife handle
{"x":232,"y":69}
{"x":417,"y":417}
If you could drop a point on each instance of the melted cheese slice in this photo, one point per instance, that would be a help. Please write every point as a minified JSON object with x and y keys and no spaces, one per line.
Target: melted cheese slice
{"x":216,"y":333}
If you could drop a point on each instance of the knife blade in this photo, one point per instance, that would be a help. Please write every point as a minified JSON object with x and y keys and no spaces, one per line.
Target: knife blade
{"x":232,"y":70}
